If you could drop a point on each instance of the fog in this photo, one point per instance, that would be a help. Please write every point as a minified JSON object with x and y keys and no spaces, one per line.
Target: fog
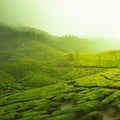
{"x":88,"y":18}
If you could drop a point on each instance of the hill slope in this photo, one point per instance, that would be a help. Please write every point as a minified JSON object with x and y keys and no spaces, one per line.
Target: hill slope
{"x":43,"y":79}
{"x":26,"y":43}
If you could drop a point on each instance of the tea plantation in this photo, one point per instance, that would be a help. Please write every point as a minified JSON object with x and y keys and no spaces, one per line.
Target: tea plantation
{"x":42,"y":80}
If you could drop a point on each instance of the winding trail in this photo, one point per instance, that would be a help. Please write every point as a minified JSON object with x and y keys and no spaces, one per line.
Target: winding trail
{"x":108,"y":117}
{"x":109,"y":67}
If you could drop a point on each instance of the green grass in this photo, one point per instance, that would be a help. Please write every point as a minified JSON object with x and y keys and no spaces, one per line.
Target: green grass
{"x":38,"y":74}
{"x":46,"y":102}
{"x":86,"y":59}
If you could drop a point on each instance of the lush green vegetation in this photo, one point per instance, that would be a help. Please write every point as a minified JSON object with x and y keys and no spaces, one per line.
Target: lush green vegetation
{"x":42,"y":79}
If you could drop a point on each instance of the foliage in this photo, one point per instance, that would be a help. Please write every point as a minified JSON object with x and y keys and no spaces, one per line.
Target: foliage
{"x":38,"y":75}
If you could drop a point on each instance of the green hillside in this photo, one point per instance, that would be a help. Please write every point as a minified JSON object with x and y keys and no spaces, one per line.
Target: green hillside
{"x":26,"y":43}
{"x":85,"y":59}
{"x":44,"y":77}
{"x":70,"y":43}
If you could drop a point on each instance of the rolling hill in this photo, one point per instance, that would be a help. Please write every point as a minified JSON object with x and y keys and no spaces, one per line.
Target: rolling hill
{"x":44,"y":77}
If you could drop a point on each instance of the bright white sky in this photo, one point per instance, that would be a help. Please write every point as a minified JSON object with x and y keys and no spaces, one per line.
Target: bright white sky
{"x":99,"y":18}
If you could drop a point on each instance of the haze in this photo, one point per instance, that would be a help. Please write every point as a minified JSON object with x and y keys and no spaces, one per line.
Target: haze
{"x":84,"y":18}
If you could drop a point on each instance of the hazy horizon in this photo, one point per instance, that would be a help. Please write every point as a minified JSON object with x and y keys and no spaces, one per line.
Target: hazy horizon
{"x":62,"y":17}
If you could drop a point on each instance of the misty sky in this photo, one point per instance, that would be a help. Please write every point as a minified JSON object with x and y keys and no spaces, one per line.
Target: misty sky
{"x":99,"y":18}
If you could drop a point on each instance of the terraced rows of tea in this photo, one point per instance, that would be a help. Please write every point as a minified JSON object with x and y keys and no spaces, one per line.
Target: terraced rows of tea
{"x":39,"y":80}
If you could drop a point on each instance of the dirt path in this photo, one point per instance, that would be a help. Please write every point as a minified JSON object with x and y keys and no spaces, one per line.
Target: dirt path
{"x":109,"y":67}
{"x":108,"y":117}
{"x":67,"y":106}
